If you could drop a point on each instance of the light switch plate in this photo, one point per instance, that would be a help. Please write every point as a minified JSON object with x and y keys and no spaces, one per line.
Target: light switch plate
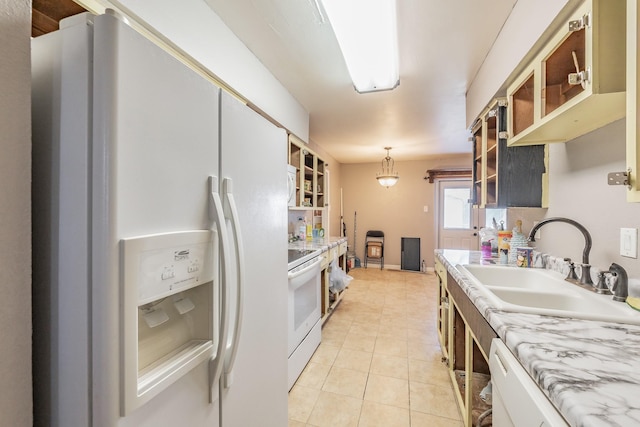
{"x":629,"y":242}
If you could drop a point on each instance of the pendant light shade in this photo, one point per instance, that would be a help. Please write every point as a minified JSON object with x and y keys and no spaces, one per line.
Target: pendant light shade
{"x":387,"y":178}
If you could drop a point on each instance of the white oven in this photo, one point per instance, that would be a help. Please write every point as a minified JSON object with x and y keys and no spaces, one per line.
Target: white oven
{"x":304,"y":305}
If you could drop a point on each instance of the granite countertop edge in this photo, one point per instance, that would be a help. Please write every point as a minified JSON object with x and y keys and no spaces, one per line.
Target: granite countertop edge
{"x":322,"y":244}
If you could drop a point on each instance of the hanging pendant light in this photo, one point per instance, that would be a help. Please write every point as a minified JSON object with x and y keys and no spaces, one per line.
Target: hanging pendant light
{"x":387,"y":178}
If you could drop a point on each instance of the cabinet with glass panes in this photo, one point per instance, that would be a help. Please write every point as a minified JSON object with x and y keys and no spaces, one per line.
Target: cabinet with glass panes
{"x":310,"y":175}
{"x":505,"y":176}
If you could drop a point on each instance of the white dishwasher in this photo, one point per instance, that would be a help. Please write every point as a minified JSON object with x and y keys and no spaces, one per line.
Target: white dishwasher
{"x":516,"y":398}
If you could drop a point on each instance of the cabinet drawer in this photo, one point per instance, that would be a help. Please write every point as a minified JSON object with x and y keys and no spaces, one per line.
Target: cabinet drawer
{"x":326,"y":259}
{"x":342,"y":248}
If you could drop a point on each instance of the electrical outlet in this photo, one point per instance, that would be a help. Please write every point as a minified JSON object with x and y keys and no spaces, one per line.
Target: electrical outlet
{"x":629,"y":242}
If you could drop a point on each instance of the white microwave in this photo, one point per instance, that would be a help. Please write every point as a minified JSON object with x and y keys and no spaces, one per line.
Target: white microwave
{"x":291,"y":184}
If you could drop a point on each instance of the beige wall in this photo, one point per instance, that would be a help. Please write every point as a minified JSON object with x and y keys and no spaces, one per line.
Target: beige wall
{"x":399,"y":210}
{"x":15,"y":214}
{"x":578,"y":189}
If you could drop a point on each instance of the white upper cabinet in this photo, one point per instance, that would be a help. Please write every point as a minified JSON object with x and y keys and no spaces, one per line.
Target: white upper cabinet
{"x":576,"y":83}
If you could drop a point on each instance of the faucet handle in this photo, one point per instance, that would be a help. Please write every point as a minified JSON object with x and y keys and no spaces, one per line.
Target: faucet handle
{"x":572,"y":270}
{"x":601,"y":287}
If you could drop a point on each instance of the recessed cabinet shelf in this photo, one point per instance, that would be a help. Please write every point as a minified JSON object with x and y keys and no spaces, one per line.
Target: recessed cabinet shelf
{"x":330,"y":299}
{"x":310,"y":176}
{"x":443,"y":310}
{"x":505,"y":176}
{"x":478,"y":164}
{"x":576,"y":83}
{"x":465,"y":338}
{"x":522,"y":105}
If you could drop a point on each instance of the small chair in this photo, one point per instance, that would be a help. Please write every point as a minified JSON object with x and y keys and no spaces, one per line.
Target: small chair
{"x":374,"y":247}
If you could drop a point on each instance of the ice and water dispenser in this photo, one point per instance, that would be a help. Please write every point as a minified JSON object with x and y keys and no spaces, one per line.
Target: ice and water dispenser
{"x":168,"y":310}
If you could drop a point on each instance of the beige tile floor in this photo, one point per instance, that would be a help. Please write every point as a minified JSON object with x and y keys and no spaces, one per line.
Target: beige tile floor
{"x":379,"y":360}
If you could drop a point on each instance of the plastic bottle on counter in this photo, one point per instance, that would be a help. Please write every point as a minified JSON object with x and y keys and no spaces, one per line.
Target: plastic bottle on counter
{"x":302,"y":229}
{"x":486,"y":250}
{"x":504,"y":244}
{"x":488,"y":239}
{"x":309,"y":231}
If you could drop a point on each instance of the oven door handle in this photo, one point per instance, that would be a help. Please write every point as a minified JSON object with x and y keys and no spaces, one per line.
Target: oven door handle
{"x":299,"y":278}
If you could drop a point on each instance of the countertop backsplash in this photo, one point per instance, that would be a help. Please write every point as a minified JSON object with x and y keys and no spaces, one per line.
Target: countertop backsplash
{"x":558,"y":264}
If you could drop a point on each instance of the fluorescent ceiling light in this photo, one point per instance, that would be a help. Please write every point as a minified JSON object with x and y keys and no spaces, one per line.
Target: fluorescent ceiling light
{"x":368,"y":37}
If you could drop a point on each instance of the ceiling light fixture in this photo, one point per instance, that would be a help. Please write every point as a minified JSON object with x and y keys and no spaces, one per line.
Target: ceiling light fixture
{"x":387,"y":178}
{"x":368,"y":37}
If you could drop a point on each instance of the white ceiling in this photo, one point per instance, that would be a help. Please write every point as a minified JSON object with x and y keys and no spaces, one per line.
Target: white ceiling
{"x":442,"y":45}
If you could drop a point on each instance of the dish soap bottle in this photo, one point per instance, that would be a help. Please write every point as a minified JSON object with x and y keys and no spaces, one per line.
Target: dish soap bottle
{"x":309,"y":231}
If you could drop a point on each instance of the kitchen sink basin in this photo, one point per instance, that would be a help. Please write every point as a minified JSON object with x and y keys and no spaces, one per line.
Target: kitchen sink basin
{"x":545,"y":292}
{"x":521,"y":278}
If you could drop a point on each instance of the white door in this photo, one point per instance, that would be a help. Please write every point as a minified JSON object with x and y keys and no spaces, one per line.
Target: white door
{"x":457,"y":221}
{"x":253,"y":164}
{"x":154,"y":148}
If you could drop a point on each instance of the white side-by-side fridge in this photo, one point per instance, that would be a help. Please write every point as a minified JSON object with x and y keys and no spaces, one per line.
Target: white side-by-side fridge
{"x":159,"y":240}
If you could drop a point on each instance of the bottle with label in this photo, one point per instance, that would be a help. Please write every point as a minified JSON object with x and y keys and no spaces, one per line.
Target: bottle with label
{"x":504,"y":244}
{"x":302,"y":229}
{"x":309,"y":231}
{"x":486,"y":249}
{"x":489,"y":241}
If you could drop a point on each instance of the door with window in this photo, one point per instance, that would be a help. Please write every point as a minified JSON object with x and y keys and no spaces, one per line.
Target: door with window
{"x":457,"y":221}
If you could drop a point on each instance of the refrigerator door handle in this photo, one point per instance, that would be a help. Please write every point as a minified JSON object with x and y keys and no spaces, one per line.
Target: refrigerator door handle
{"x":216,"y":214}
{"x":240,"y":265}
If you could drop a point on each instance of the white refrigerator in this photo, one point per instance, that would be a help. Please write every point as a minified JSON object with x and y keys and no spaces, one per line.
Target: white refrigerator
{"x":159,"y":240}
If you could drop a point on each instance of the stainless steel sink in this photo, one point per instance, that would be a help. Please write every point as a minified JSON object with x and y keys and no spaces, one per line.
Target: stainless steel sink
{"x":538,"y":291}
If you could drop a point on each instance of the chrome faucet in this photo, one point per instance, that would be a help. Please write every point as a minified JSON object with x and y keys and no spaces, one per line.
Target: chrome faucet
{"x":585,"y":273}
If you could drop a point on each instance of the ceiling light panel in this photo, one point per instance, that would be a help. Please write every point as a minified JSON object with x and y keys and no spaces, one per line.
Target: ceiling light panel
{"x":367,"y":33}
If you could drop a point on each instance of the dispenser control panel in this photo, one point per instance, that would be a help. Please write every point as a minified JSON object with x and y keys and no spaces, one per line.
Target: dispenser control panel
{"x":168,"y":310}
{"x":160,"y":265}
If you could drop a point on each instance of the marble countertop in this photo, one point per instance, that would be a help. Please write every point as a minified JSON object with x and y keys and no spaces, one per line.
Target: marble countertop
{"x":322,"y":244}
{"x":590,"y":370}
